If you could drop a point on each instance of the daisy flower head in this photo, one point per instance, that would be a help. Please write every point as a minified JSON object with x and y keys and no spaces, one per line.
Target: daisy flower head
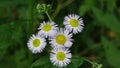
{"x":73,"y":23}
{"x":61,"y":39}
{"x":47,"y":29}
{"x":36,"y":44}
{"x":60,"y":57}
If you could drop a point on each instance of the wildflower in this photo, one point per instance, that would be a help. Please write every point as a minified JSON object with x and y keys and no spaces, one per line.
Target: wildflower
{"x":61,"y":39}
{"x":47,"y":29}
{"x":60,"y":57}
{"x":73,"y":23}
{"x":36,"y":44}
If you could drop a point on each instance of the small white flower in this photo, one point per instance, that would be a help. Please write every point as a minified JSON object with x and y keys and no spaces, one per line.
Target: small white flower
{"x":73,"y":23}
{"x":60,"y":57}
{"x":47,"y":29}
{"x":36,"y":44}
{"x":61,"y":39}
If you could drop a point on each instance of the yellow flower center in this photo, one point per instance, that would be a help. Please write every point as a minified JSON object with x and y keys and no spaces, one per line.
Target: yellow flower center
{"x":74,"y":22}
{"x":60,"y":39}
{"x":60,"y":56}
{"x":47,"y":27}
{"x":36,"y":42}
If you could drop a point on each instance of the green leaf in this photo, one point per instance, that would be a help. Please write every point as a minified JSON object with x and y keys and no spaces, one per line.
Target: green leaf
{"x":107,"y":19}
{"x":88,"y":4}
{"x":20,"y":59}
{"x":111,"y":4}
{"x":11,"y":34}
{"x":23,"y":13}
{"x":112,"y":53}
{"x":83,"y":9}
{"x":19,"y":55}
{"x":12,"y":3}
{"x":76,"y":62}
{"x":43,"y":61}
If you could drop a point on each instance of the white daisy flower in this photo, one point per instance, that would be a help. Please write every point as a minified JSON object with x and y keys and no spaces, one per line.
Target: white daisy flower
{"x":36,"y":44}
{"x":47,"y":29}
{"x":60,"y":57}
{"x":61,"y":39}
{"x":73,"y":23}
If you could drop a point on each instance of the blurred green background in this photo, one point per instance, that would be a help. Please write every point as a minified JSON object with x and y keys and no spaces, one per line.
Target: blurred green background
{"x":99,"y":41}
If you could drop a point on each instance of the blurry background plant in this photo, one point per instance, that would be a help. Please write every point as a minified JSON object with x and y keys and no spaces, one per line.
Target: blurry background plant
{"x":99,"y":41}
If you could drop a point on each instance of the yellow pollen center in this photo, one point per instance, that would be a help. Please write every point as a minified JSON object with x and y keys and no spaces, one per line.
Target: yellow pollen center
{"x":74,"y":22}
{"x":36,"y":42}
{"x":60,"y":39}
{"x":60,"y":56}
{"x":46,"y":27}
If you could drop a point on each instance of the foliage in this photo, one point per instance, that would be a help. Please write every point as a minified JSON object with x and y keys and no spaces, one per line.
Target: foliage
{"x":99,"y":41}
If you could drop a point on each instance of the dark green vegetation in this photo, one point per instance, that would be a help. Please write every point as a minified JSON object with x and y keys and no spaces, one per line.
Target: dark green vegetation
{"x":99,"y":41}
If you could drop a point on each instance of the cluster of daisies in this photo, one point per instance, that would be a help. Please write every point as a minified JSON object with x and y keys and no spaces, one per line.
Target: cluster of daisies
{"x":60,"y":39}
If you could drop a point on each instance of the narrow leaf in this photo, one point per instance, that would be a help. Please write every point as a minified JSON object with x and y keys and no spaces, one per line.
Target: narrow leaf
{"x":112,"y":53}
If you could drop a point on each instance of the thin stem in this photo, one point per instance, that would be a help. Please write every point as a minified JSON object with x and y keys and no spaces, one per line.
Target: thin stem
{"x":60,"y":6}
{"x":93,"y":66}
{"x":88,"y":61}
{"x":30,"y":16}
{"x":93,"y":63}
{"x":67,"y":3}
{"x":87,"y":49}
{"x":30,"y":26}
{"x":57,"y":10}
{"x":48,"y":16}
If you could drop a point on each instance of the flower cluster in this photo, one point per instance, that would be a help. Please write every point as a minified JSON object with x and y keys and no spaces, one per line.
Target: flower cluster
{"x":60,"y":39}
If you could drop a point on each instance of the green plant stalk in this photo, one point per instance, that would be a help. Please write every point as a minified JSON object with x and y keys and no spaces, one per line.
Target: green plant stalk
{"x":93,"y":63}
{"x":30,"y":17}
{"x":60,"y":6}
{"x":48,"y":16}
{"x":88,"y":61}
{"x":30,"y":26}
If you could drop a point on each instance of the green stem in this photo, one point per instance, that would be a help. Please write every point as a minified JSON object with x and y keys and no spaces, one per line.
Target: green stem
{"x":60,"y":6}
{"x":30,"y":26}
{"x":48,"y":16}
{"x":88,"y":61}
{"x":93,"y":63}
{"x":87,"y":49}
{"x":30,"y":18}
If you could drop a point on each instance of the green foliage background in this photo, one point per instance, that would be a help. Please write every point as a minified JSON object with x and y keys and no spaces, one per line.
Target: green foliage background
{"x":99,"y":41}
